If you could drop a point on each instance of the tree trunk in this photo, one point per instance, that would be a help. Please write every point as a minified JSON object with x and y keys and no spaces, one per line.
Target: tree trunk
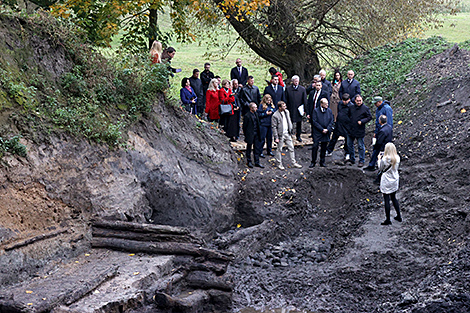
{"x":153,"y":26}
{"x":295,"y":56}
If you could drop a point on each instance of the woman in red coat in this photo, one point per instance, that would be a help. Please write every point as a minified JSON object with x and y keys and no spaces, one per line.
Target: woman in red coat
{"x":229,"y":121}
{"x":212,"y":101}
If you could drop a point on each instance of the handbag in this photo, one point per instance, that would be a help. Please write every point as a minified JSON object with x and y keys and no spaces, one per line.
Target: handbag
{"x":225,"y":109}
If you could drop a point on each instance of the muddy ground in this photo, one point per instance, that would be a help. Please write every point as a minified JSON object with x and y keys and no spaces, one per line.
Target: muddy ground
{"x":324,"y":249}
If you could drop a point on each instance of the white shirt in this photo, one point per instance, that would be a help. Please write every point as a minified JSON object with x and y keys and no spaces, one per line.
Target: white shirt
{"x":285,"y":126}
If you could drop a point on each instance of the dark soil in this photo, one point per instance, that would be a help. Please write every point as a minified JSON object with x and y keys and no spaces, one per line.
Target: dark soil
{"x":327,"y":251}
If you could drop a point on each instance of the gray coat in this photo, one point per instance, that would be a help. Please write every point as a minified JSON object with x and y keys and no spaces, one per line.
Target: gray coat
{"x":276,"y":124}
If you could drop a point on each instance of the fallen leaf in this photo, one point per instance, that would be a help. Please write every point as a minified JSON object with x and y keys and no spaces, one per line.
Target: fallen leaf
{"x":136,"y":273}
{"x":77,"y":262}
{"x":44,"y":299}
{"x":30,"y":303}
{"x":239,"y":225}
{"x":399,"y":122}
{"x":29,"y":291}
{"x":132,"y":254}
{"x":463,"y":111}
{"x":87,"y":254}
{"x":368,"y":200}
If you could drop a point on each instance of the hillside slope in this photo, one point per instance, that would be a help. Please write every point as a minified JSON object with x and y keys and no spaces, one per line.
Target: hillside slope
{"x":166,"y":168}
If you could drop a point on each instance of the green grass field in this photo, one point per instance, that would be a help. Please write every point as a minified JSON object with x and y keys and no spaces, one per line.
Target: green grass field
{"x":456,"y":28}
{"x":191,"y":56}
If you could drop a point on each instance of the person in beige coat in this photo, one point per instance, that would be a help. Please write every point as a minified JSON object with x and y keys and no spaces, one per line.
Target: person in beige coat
{"x":388,"y":166}
{"x":282,"y":132}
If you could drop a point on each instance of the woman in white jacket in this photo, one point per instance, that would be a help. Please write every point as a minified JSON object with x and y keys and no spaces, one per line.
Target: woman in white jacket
{"x":388,"y":165}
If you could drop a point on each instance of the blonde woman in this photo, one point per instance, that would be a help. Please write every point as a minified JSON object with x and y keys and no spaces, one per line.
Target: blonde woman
{"x":388,"y":165}
{"x":156,"y":52}
{"x":212,"y":101}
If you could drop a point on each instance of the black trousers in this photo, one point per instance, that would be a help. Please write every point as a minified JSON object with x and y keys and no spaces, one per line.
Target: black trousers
{"x":256,"y":148}
{"x":322,"y":146}
{"x":334,"y":139}
{"x":387,"y":198}
{"x":298,"y":127}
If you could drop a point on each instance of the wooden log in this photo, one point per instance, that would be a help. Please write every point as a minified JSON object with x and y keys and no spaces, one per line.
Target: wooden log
{"x":179,"y":248}
{"x":208,"y":266}
{"x":141,"y":236}
{"x":28,"y":241}
{"x":190,"y":302}
{"x":208,"y":280}
{"x":141,"y":227}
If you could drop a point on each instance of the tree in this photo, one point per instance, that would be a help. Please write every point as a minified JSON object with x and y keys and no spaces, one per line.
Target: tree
{"x":296,"y":34}
{"x":136,"y":20}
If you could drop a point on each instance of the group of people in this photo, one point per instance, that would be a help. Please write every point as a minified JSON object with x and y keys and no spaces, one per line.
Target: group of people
{"x":334,"y":109}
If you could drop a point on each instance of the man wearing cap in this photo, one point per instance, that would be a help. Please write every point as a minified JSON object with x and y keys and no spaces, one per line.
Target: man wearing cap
{"x":383,"y":108}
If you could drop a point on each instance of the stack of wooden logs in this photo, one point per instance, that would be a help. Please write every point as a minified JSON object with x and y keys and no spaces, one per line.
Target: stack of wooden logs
{"x":198,"y":284}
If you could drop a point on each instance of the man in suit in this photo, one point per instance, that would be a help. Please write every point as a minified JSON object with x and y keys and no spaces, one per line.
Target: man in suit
{"x":322,"y":125}
{"x":282,"y":133}
{"x":383,"y":136}
{"x":249,"y":93}
{"x":314,"y":98}
{"x":239,"y":73}
{"x":350,"y":86}
{"x":252,"y":132}
{"x":275,"y":91}
{"x":296,"y":96}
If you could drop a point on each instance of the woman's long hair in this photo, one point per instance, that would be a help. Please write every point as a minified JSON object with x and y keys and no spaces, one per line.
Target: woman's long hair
{"x":391,"y":153}
{"x":214,"y":81}
{"x":157,"y":49}
{"x":264,"y":101}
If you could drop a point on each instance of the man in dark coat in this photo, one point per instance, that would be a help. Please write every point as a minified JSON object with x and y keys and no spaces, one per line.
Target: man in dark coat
{"x":360,"y":116}
{"x":275,"y":91}
{"x":239,"y":73}
{"x":252,"y":132}
{"x":350,"y":86}
{"x":295,"y":97}
{"x":250,"y":93}
{"x":322,"y":125}
{"x":342,"y":125}
{"x":206,"y":77}
{"x":314,"y":98}
{"x":326,"y":84}
{"x":383,"y":136}
{"x":196,"y":84}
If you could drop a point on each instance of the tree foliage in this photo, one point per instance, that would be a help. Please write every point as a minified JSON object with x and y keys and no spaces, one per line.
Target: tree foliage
{"x":137,"y":21}
{"x":296,"y":35}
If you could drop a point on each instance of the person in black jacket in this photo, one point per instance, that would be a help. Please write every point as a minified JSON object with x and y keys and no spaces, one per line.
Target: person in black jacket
{"x":239,"y":73}
{"x":360,"y":116}
{"x":206,"y":77}
{"x":383,"y":136}
{"x":342,"y":125}
{"x":326,"y":83}
{"x":314,"y":98}
{"x":350,"y":86}
{"x":196,"y":84}
{"x":249,"y":93}
{"x":322,"y":125}
{"x":296,"y":96}
{"x":252,"y":132}
{"x":275,"y":91}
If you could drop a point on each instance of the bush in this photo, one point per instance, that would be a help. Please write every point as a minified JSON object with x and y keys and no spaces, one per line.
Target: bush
{"x":12,"y":146}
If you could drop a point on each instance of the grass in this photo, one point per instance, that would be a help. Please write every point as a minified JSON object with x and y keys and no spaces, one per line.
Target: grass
{"x":456,"y":28}
{"x":191,"y":56}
